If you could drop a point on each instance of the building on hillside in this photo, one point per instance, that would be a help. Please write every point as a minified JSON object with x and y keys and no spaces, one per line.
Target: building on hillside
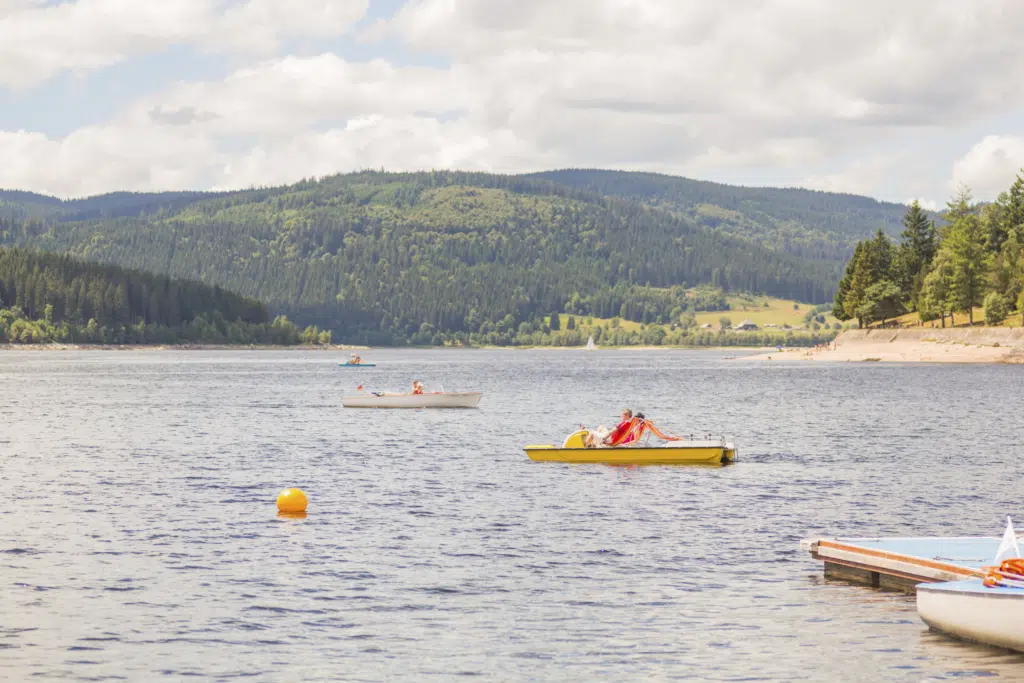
{"x":706,"y":326}
{"x":746,"y":325}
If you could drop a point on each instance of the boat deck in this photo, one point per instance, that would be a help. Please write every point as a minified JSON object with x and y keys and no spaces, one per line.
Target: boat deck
{"x":902,"y":563}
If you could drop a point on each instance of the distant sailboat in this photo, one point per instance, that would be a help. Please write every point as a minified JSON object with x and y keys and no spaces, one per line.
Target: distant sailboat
{"x":591,"y":346}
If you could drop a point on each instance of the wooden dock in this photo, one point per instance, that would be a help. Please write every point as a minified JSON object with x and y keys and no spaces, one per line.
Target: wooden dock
{"x":902,"y":563}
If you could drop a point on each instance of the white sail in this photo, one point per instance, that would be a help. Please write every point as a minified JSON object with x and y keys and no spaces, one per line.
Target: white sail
{"x":1008,"y":548}
{"x":590,"y":344}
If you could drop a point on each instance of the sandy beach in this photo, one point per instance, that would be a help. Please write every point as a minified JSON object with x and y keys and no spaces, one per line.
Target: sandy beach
{"x":961,"y":345}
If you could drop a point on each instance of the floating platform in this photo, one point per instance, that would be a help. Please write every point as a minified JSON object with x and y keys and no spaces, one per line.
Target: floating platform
{"x":902,"y":563}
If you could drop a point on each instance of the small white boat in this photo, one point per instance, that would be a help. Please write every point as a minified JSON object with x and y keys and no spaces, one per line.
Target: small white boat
{"x":970,"y":610}
{"x":591,"y":346}
{"x":434,"y":399}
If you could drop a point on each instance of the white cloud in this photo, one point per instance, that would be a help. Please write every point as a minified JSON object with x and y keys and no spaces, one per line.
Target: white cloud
{"x":39,"y":41}
{"x":990,"y":166}
{"x":863,"y":176}
{"x":98,"y":159}
{"x":745,"y":80}
{"x":283,"y":95}
{"x":258,"y":25}
{"x":685,"y":86}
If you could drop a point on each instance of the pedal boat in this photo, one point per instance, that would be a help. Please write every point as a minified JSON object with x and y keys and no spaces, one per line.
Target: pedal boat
{"x":706,"y":451}
{"x":435,"y":399}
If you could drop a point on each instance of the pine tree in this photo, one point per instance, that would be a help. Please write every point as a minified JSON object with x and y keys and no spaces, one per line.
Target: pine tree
{"x":840,"y":309}
{"x":872,"y":264}
{"x":917,"y":249}
{"x":936,"y":290}
{"x":966,"y":245}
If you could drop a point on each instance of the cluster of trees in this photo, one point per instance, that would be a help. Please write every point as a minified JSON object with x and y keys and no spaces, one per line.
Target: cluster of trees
{"x":975,"y":259}
{"x":576,"y":333}
{"x":374,"y":256}
{"x":55,"y":298}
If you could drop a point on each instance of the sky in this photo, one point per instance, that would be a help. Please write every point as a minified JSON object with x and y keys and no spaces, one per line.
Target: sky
{"x":895,"y":100}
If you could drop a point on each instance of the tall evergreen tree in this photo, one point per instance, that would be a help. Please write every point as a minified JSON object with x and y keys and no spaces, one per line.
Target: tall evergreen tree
{"x":936,"y":299}
{"x":966,"y":246}
{"x":960,"y":206}
{"x":917,"y":249}
{"x":844,"y":292}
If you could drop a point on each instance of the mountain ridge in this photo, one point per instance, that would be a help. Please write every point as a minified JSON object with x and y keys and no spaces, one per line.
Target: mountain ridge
{"x":383,"y":254}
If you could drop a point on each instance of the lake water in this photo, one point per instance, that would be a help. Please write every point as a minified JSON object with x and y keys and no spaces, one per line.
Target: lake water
{"x":139,"y":536}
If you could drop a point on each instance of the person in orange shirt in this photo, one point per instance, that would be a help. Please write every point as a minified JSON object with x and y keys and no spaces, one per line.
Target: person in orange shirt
{"x":417,"y":386}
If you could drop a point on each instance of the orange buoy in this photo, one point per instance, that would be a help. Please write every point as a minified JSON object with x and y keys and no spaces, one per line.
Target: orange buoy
{"x":291,"y":500}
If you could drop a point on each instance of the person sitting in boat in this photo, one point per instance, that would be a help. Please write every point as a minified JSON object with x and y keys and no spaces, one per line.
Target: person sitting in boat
{"x":624,"y":433}
{"x":417,"y":387}
{"x":356,"y":360}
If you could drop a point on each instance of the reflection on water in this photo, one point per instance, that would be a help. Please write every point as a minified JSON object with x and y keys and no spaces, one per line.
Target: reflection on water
{"x":140,"y":536}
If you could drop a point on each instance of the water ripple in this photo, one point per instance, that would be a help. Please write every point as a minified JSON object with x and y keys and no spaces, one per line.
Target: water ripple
{"x":145,"y":542}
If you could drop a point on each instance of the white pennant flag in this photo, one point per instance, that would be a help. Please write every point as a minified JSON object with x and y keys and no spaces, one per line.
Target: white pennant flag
{"x":1008,"y":547}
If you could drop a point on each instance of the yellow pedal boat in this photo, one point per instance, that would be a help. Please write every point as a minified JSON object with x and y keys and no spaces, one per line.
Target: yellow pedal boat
{"x":707,"y":451}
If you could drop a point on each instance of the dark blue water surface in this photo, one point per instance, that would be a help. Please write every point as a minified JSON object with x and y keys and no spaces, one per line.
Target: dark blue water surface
{"x":139,"y":536}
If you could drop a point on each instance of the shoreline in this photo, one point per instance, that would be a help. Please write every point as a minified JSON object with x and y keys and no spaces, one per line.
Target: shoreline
{"x":347,"y":347}
{"x":994,"y":346}
{"x":176,"y":347}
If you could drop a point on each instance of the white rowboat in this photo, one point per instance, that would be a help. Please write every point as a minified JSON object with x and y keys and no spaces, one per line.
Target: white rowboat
{"x":966,"y":609}
{"x":437,"y":399}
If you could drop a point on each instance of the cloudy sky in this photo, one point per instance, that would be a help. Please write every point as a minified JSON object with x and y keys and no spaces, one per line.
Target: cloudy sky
{"x":896,"y":100}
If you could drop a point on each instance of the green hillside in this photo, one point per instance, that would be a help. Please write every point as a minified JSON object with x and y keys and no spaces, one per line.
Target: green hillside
{"x":384,"y":258}
{"x":819,"y":226}
{"x":57,"y":298}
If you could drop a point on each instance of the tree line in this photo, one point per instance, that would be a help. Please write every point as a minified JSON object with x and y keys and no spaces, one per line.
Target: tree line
{"x":576,"y":332}
{"x":975,"y":259}
{"x":48,"y":297}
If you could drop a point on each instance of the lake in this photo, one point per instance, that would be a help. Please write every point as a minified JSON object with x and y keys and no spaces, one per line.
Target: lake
{"x":139,"y":536}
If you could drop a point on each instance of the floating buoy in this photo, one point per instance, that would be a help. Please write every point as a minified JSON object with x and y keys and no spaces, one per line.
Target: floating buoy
{"x":291,"y":500}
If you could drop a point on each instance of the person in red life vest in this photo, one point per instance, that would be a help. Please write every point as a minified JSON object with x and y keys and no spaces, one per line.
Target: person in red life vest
{"x":417,"y":387}
{"x":617,"y":437}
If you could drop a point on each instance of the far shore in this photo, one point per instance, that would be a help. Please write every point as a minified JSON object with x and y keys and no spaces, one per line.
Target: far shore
{"x":346,"y":347}
{"x":961,"y":345}
{"x":176,"y":347}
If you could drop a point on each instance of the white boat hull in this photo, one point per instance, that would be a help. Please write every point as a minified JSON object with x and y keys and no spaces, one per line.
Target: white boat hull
{"x":968,"y":610}
{"x":455,"y":399}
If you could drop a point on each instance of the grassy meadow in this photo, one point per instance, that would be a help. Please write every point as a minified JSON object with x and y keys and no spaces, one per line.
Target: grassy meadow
{"x":761,"y":310}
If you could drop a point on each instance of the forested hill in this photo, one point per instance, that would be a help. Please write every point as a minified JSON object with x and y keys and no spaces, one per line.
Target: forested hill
{"x":56,"y":298}
{"x":809,"y":224}
{"x":29,"y":205}
{"x":384,"y":257}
